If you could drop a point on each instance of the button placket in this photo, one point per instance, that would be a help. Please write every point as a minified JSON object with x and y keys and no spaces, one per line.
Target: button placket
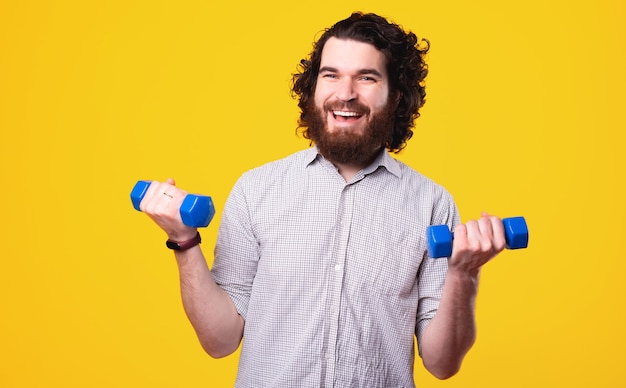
{"x":340,"y":248}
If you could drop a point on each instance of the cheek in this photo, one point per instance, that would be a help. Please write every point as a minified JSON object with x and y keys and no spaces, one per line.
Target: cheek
{"x":378,"y":99}
{"x":317,"y":102}
{"x":380,"y":105}
{"x":319,"y":97}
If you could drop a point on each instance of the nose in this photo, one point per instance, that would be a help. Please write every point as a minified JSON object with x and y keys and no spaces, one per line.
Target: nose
{"x":345,"y":90}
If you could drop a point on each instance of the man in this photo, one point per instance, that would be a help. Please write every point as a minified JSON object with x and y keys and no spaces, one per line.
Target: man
{"x":320,"y":264}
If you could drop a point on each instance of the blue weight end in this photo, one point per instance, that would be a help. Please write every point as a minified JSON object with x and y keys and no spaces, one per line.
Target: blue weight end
{"x":138,"y":192}
{"x":439,"y":240}
{"x":197,"y":210}
{"x":515,"y":232}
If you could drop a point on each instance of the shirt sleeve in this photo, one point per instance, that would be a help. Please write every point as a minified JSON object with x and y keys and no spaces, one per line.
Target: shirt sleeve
{"x":432,"y":273}
{"x":236,"y":250}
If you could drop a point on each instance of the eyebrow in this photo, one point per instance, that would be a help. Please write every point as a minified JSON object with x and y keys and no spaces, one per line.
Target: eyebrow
{"x":360,"y":72}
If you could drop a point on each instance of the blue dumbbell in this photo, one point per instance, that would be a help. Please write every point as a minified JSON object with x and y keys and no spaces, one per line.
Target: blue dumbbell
{"x":439,"y":237}
{"x":196,"y":210}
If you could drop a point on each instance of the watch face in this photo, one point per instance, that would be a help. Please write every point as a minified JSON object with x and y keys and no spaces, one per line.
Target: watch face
{"x":172,"y":245}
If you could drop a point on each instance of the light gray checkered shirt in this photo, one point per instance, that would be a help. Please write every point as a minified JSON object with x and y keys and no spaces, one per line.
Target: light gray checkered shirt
{"x":331,"y":278}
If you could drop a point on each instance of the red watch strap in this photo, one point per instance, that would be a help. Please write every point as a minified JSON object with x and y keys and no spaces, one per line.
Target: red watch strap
{"x":184,"y":245}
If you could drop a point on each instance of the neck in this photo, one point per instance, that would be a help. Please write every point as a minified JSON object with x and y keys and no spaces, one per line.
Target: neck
{"x":348,"y":171}
{"x":349,"y":166}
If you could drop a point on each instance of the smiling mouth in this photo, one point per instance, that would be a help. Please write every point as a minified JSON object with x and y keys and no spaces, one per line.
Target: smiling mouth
{"x":346,"y":116}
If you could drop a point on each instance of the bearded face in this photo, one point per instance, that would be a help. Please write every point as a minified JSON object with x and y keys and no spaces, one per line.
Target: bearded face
{"x":350,"y":117}
{"x":358,"y":143}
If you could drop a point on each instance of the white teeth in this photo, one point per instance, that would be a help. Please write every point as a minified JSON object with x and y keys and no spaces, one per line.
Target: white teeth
{"x":345,"y":114}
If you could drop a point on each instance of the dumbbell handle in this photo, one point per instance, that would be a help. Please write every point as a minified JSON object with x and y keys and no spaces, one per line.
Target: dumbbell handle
{"x":439,"y":237}
{"x":196,"y":210}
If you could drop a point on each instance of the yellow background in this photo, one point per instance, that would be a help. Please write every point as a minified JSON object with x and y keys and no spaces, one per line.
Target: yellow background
{"x":525,"y":116}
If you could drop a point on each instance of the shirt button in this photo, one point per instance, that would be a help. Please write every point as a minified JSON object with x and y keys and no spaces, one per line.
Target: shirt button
{"x":337,"y":267}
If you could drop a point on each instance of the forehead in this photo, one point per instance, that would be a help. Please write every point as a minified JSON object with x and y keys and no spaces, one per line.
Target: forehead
{"x":352,"y":56}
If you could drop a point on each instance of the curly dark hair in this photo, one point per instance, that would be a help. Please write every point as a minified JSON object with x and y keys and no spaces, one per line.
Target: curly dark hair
{"x":406,"y":68}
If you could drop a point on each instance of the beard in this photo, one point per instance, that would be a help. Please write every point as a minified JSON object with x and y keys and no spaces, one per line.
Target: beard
{"x":349,"y":146}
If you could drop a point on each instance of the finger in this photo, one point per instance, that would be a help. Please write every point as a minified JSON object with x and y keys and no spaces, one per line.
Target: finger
{"x":466,"y":246}
{"x":460,"y":234}
{"x":165,"y":203}
{"x":148,"y":196}
{"x":492,"y":229}
{"x":486,"y":238}
{"x":474,"y":236}
{"x":464,"y":237}
{"x":480,"y":242}
{"x":170,"y":190}
{"x":160,"y":197}
{"x":499,"y":240}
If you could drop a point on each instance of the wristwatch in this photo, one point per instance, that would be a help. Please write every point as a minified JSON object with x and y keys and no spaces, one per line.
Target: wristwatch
{"x":184,"y":245}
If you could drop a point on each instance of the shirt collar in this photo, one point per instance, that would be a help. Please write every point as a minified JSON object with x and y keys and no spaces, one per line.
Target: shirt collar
{"x":382,"y":160}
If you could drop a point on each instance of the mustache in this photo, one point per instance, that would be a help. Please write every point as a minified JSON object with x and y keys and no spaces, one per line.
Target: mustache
{"x":346,"y":105}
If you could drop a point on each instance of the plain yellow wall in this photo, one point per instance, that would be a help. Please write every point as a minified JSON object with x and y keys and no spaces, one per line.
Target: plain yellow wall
{"x":525,"y":116}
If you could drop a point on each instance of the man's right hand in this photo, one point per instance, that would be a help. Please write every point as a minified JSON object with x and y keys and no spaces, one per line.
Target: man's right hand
{"x":162,"y":203}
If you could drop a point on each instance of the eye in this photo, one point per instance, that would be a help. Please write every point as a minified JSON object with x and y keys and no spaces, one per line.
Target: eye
{"x":367,"y":78}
